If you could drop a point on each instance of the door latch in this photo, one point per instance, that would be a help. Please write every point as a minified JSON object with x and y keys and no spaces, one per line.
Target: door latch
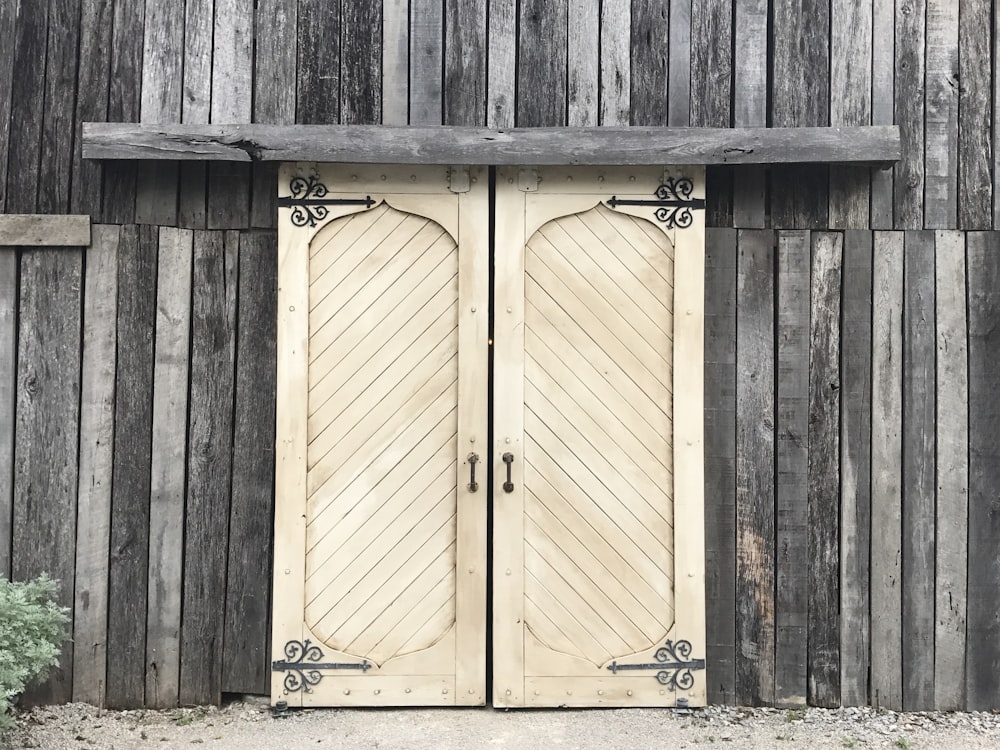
{"x":508,"y":458}
{"x":473,"y":459}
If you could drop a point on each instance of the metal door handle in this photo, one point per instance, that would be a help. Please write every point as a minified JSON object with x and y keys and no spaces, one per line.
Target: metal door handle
{"x":473,"y":460}
{"x":508,"y":458}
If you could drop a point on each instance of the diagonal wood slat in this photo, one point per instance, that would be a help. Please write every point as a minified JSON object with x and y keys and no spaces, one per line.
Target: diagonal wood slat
{"x":598,"y":435}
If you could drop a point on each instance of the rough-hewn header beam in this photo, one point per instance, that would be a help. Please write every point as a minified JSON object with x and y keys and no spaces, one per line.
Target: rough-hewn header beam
{"x":44,"y":230}
{"x":364,"y":144}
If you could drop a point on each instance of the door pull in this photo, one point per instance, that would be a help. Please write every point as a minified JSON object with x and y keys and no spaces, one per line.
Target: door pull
{"x":508,"y":458}
{"x":473,"y":460}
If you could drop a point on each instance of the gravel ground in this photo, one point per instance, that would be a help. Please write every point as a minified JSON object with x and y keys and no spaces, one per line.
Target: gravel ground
{"x":249,"y":726}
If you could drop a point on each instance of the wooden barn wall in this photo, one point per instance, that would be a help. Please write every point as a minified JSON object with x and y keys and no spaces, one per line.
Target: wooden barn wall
{"x":853,"y":318}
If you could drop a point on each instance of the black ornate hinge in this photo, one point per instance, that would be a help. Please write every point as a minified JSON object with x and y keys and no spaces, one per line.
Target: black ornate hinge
{"x":674,"y":202}
{"x":308,"y":201}
{"x":304,"y":666}
{"x":673,"y":663}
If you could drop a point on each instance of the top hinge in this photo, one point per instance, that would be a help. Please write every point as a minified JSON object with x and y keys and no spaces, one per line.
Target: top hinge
{"x":459,"y":180}
{"x":527,"y":180}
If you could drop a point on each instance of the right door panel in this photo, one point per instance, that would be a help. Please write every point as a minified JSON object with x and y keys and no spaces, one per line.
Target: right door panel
{"x":598,"y":560}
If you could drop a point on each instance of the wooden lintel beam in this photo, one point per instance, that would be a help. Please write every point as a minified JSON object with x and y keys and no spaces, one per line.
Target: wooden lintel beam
{"x":44,"y":230}
{"x":375,"y":144}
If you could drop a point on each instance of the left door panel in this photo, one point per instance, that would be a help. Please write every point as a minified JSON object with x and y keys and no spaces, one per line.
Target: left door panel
{"x":380,"y":532}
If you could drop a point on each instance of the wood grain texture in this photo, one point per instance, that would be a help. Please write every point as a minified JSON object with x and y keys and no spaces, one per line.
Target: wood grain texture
{"x":167,"y":470}
{"x":541,"y":63}
{"x":124,"y":104}
{"x":792,"y":466}
{"x":395,"y":62}
{"x":228,"y":204}
{"x":720,"y":462}
{"x":919,"y":469}
{"x":850,"y":104}
{"x":59,"y":127}
{"x":465,"y":49}
{"x":196,"y":106}
{"x":883,"y":106}
{"x":426,"y":62}
{"x":749,"y":104}
{"x":983,"y":629}
{"x":679,"y":64}
{"x":318,"y":81}
{"x":245,"y":659}
{"x":360,"y":61}
{"x":8,"y":380}
{"x":26,"y":121}
{"x":887,"y":469}
{"x":127,"y":573}
{"x":908,"y":100}
{"x":583,"y":58}
{"x":8,"y":15}
{"x":46,"y":436}
{"x":97,"y":427}
{"x":856,"y":468}
{"x":975,"y":163}
{"x":501,"y":104}
{"x":755,"y":523}
{"x":824,"y":470}
{"x":952,"y":508}
{"x":650,"y":39}
{"x":941,"y":115}
{"x":615,"y":63}
{"x":38,"y":229}
{"x":213,"y":340}
{"x":515,"y":147}
{"x":93,"y":89}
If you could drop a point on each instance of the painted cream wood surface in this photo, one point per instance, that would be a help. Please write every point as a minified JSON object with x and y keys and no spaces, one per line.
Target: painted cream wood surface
{"x":599,"y":548}
{"x":380,"y":544}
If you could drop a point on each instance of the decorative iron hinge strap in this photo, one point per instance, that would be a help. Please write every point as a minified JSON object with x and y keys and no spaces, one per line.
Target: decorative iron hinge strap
{"x":308,"y":201}
{"x":673,"y":201}
{"x":304,"y":666}
{"x":673,"y":663}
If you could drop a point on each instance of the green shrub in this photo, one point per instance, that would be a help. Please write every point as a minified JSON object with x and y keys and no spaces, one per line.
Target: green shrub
{"x":32,"y":629}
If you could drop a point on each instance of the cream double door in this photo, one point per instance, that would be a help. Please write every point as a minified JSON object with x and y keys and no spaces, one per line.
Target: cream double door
{"x":383,"y":444}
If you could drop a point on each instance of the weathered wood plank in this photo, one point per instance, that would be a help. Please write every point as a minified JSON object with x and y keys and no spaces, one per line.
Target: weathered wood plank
{"x":360,"y":62}
{"x":679,"y":65}
{"x":541,"y":63}
{"x":61,"y":63}
{"x":952,"y":509}
{"x":318,"y":82}
{"x":918,"y":471}
{"x":517,"y":146}
{"x":191,"y":205}
{"x":583,"y":58}
{"x":197,"y":105}
{"x":213,"y":329}
{"x":855,"y":468}
{"x":167,"y":474}
{"x":127,"y":574}
{"x":975,"y":102}
{"x":396,"y":62}
{"x":228,"y":196}
{"x":97,"y":429}
{"x":887,"y":469}
{"x":465,"y":51}
{"x":93,"y":88}
{"x":983,"y":629}
{"x":124,"y":102}
{"x":46,"y":435}
{"x":31,"y":30}
{"x":650,"y":38}
{"x":941,"y":116}
{"x":755,"y":554}
{"x":908,"y":197}
{"x":750,"y":104}
{"x":246,"y":658}
{"x":615,"y":63}
{"x":850,"y":104}
{"x":883,"y":105}
{"x":8,"y":378}
{"x":792,"y":465}
{"x":38,"y":229}
{"x":824,"y":470}
{"x":8,"y":15}
{"x":720,"y":462}
{"x":501,"y":104}
{"x":800,"y":84}
{"x":426,"y":61}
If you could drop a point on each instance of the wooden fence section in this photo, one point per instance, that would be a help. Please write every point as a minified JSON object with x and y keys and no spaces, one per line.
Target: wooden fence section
{"x":925,"y":65}
{"x":853,"y":541}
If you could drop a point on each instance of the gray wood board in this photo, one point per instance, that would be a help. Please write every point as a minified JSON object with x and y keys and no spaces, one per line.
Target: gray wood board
{"x":615,"y":63}
{"x":583,"y":61}
{"x":541,"y":63}
{"x":983,"y":629}
{"x":502,"y":55}
{"x":883,"y":105}
{"x":8,"y":15}
{"x":39,"y":229}
{"x":755,"y":523}
{"x":941,"y":91}
{"x":720,"y":463}
{"x":919,"y":451}
{"x":8,"y":380}
{"x":975,"y":103}
{"x":908,"y":197}
{"x":750,"y":65}
{"x":92,"y":91}
{"x":395,"y":62}
{"x":229,"y":196}
{"x":855,"y":468}
{"x":516,"y":146}
{"x":318,"y":81}
{"x":824,"y":471}
{"x":679,"y":64}
{"x":59,"y":127}
{"x":127,"y":574}
{"x":426,"y":62}
{"x":465,"y":49}
{"x":246,"y":657}
{"x":213,"y":330}
{"x":46,"y":436}
{"x":360,"y":62}
{"x":24,"y":154}
{"x":792,"y":466}
{"x":650,"y":28}
{"x":97,"y":436}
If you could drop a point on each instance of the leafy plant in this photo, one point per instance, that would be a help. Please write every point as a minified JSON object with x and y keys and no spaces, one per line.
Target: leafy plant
{"x":903,"y":743}
{"x":32,"y":629}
